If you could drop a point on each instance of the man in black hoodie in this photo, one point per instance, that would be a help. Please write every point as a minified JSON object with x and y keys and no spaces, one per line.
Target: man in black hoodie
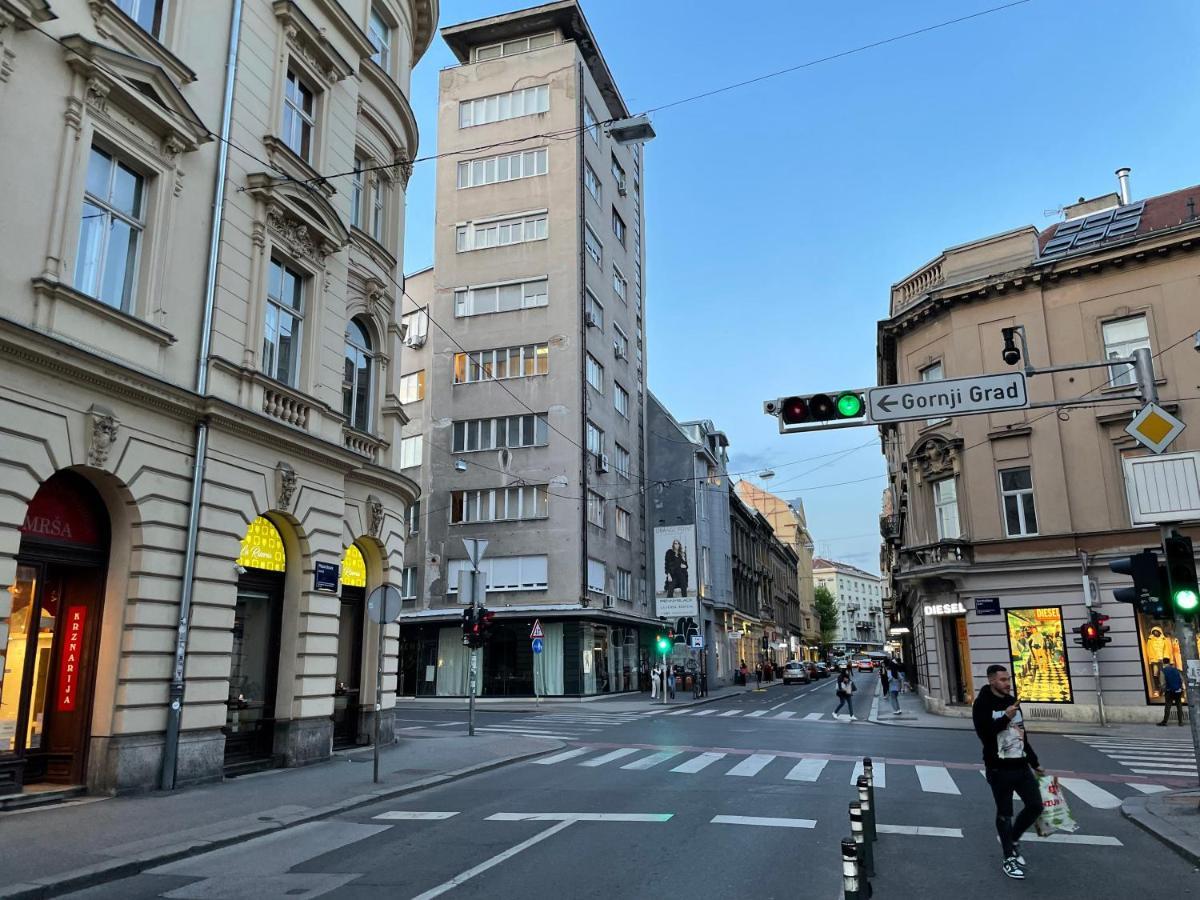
{"x":1010,"y":763}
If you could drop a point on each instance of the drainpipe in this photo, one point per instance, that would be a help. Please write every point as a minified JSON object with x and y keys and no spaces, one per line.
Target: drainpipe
{"x":200,"y":453}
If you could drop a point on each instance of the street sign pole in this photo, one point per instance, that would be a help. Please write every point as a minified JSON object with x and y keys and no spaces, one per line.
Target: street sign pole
{"x":475,"y":550}
{"x":383,"y":606}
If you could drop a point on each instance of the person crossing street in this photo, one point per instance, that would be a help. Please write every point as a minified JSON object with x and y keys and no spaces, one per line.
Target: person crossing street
{"x":1172,"y":680}
{"x":845,"y":693}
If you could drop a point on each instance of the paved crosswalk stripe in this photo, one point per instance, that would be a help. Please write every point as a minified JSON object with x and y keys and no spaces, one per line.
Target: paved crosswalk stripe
{"x":1090,"y":794}
{"x":400,"y":815}
{"x":1095,"y":840}
{"x":880,"y":774}
{"x":1147,"y":788}
{"x":649,"y":762}
{"x":756,"y":714}
{"x":562,"y":757}
{"x":812,"y":717}
{"x":1184,"y":772}
{"x":560,"y":737}
{"x":727,"y":713}
{"x":807,"y":770}
{"x":1155,"y":761}
{"x":679,"y":712}
{"x":609,"y":757}
{"x":580,"y":817}
{"x":764,"y":821}
{"x":752,"y":764}
{"x":705,"y":712}
{"x":696,"y":763}
{"x":921,"y":830}
{"x":936,"y":780}
{"x":784,"y":715}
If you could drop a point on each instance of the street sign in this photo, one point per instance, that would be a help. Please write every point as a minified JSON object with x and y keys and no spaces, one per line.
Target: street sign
{"x":476,"y":547}
{"x":325,"y":576}
{"x":537,"y":630}
{"x":1154,"y":427}
{"x":537,"y":645}
{"x":987,"y":606}
{"x":383,"y":605}
{"x":1163,"y":488}
{"x":697,"y":641}
{"x":948,"y":397}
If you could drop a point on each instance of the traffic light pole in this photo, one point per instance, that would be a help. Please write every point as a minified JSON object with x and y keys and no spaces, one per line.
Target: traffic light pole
{"x":1191,"y":663}
{"x":475,"y":574}
{"x":1087,"y":601}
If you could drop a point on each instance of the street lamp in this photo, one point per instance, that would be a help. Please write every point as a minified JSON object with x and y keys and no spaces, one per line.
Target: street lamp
{"x":634,"y":130}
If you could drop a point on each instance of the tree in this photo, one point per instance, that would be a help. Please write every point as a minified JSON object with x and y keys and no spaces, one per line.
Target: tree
{"x":826,"y":610}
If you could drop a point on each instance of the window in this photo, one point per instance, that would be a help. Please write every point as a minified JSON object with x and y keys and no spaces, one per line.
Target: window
{"x":933,"y":373}
{"x":618,"y":226}
{"x":618,"y":173}
{"x":945,"y":508}
{"x":620,"y":343}
{"x":285,"y":315}
{"x":298,"y":116}
{"x":513,"y":47}
{"x":505,"y":431}
{"x":589,"y":123}
{"x":499,"y":504}
{"x":621,"y":400}
{"x":595,"y":439}
{"x":110,"y":231}
{"x":503,"y":573}
{"x":357,"y":190}
{"x":416,"y":327}
{"x":493,"y":298}
{"x":508,"y":167}
{"x":592,"y":244}
{"x":501,"y":232}
{"x":1016,"y":490}
{"x":379,"y":32}
{"x":624,"y":585}
{"x":595,"y":310}
{"x":1121,"y":338}
{"x":591,"y":181}
{"x":498,"y":107}
{"x":410,"y":451}
{"x":506,"y":362}
{"x":379,"y":208}
{"x":147,"y":13}
{"x":356,"y":379}
{"x":413,"y":517}
{"x":595,"y":373}
{"x":595,"y":509}
{"x":408,"y":583}
{"x":597,"y":575}
{"x":621,"y":461}
{"x":619,"y":283}
{"x":412,"y":387}
{"x":623,"y":523}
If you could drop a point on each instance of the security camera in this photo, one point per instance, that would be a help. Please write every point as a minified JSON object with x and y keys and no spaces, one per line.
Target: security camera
{"x":771,"y":407}
{"x":241,"y":570}
{"x":1011,"y":353}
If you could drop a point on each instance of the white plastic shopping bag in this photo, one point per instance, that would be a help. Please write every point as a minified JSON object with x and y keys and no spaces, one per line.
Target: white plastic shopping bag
{"x":1056,"y":815}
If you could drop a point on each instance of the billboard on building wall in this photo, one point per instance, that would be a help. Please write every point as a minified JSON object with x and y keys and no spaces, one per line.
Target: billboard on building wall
{"x":676,"y":572}
{"x":1039,"y":655}
{"x":1158,"y":641}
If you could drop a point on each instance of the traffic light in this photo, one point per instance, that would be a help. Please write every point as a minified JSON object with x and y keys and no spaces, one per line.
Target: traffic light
{"x":1149,"y":583}
{"x":1181,"y":575}
{"x":662,"y":643}
{"x":819,"y":410}
{"x":487,"y":620}
{"x":468,"y":626}
{"x":1087,"y":634}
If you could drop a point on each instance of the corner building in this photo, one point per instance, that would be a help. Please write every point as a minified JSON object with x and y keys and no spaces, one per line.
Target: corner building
{"x":526,"y":392}
{"x":137,"y":344}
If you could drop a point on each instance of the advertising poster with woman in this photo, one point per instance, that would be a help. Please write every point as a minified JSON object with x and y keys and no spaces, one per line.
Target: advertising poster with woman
{"x":1039,"y":655}
{"x":675,"y":581}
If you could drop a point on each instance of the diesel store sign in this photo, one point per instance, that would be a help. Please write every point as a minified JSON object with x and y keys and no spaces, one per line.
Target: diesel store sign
{"x":945,"y":609}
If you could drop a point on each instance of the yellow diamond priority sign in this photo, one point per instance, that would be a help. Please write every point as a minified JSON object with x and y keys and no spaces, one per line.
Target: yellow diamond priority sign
{"x":1155,"y":428}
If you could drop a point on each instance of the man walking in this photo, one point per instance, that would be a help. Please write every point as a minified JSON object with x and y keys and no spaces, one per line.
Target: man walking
{"x":893,"y":670}
{"x":1010,"y":764}
{"x":1172,"y":680}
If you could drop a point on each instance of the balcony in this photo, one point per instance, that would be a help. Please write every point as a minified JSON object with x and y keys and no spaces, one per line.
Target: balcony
{"x":889,"y":527}
{"x":365,"y":445}
{"x":943,"y":557}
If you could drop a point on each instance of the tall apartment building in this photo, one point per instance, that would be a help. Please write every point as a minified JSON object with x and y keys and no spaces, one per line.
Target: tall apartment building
{"x":186,"y":462}
{"x":859,"y":599}
{"x":993,"y":523}
{"x":525,"y":388}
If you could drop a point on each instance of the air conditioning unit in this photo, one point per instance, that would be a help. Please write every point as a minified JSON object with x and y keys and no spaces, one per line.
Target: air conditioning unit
{"x":621,"y":189}
{"x":416,"y":341}
{"x":591,"y":321}
{"x":617,"y":350}
{"x":609,"y":601}
{"x":602,"y":463}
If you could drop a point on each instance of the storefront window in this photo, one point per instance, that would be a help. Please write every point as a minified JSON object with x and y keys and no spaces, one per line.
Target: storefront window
{"x":16,"y":624}
{"x":1158,"y":642}
{"x":1039,"y":655}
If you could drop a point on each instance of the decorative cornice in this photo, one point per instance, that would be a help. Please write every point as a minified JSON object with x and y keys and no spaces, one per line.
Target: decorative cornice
{"x":309,"y":39}
{"x":284,"y":159}
{"x":112,"y":22}
{"x":406,"y":143}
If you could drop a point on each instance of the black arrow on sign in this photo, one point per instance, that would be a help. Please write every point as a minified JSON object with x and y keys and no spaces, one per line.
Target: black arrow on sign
{"x":886,"y":403}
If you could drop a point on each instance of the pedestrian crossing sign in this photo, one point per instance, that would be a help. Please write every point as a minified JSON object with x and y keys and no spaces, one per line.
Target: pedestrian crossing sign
{"x":1155,"y":428}
{"x":537,"y":630}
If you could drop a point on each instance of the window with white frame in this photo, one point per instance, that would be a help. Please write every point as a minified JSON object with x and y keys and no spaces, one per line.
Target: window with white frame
{"x":595,"y":438}
{"x":592,"y":245}
{"x":705,"y":574}
{"x":624,"y":585}
{"x":110,"y":231}
{"x":621,"y":461}
{"x":410,"y":451}
{"x":506,"y":167}
{"x":624,"y":523}
{"x":416,"y":326}
{"x":526,"y":502}
{"x":620,"y":342}
{"x":412,"y":387}
{"x":620,"y":400}
{"x":379,"y":33}
{"x":299,"y":115}
{"x":358,"y":191}
{"x":284,"y":319}
{"x":499,"y":107}
{"x":505,"y":362}
{"x":620,"y":285}
{"x":618,"y":226}
{"x":502,"y":432}
{"x":618,"y":172}
{"x":595,"y":373}
{"x":502,"y":232}
{"x":933,"y":373}
{"x":513,"y":47}
{"x":379,"y":205}
{"x":591,"y":181}
{"x":408,"y":583}
{"x":597,"y":575}
{"x":493,"y":298}
{"x":1121,"y":338}
{"x":595,"y":309}
{"x":595,"y":509}
{"x":503,"y":573}
{"x":945,"y":508}
{"x":147,"y":13}
{"x":413,"y":517}
{"x":590,"y":125}
{"x":1016,"y":492}
{"x":357,"y":394}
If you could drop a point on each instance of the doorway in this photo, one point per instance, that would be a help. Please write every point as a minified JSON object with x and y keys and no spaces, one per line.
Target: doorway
{"x":250,"y":709}
{"x":957,"y":654}
{"x":347,"y":695}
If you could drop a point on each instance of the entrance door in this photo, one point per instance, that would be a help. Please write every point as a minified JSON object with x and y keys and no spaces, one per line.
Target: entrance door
{"x":250,"y":716}
{"x":957,"y":655}
{"x":346,"y":696}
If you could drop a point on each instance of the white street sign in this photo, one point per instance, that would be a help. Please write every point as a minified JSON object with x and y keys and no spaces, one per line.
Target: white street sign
{"x":1163,"y":488}
{"x":949,"y":397}
{"x":1154,"y":427}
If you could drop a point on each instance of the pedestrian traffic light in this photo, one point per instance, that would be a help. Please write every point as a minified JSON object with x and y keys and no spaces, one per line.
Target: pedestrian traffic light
{"x":663,"y":643}
{"x":1149,"y":583}
{"x":815,"y":411}
{"x":1181,"y":574}
{"x":1087,"y":634}
{"x":1100,"y":626}
{"x":468,"y":626}
{"x":486,"y":623}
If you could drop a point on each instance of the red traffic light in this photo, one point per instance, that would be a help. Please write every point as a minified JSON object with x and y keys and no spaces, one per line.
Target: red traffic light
{"x":1089,"y":632}
{"x":793,"y":411}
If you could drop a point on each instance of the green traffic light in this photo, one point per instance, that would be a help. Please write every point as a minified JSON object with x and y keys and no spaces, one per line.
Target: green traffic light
{"x":849,"y":406}
{"x":1186,"y":600}
{"x":663,"y":644}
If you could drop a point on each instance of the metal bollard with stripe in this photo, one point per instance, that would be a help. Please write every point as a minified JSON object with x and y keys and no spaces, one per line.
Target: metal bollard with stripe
{"x":869,"y":771}
{"x":854,"y":886}
{"x":865,"y":856}
{"x":868,"y":808}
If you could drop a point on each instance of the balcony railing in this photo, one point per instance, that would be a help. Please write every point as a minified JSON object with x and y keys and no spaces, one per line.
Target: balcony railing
{"x":949,"y":555}
{"x":365,"y":445}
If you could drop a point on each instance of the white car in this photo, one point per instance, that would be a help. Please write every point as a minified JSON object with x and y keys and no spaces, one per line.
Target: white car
{"x":795,"y":672}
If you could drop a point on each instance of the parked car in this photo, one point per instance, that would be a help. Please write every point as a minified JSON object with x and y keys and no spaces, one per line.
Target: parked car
{"x":822,"y":670}
{"x":797,"y":673}
{"x":864,"y":664}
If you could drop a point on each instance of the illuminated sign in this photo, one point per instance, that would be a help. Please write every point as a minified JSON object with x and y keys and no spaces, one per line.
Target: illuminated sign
{"x":68,"y":664}
{"x":354,"y":568}
{"x":1039,"y":655}
{"x":262,"y":548}
{"x":945,"y":609}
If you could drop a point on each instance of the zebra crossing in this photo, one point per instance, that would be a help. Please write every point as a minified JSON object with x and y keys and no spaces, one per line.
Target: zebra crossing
{"x":569,"y":726}
{"x":1165,"y":756}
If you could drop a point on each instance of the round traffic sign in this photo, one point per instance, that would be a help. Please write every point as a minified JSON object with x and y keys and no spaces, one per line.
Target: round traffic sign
{"x":383,"y":604}
{"x":537,"y":645}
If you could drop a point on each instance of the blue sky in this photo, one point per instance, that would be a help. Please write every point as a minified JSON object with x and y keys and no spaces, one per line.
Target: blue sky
{"x":779,"y":214}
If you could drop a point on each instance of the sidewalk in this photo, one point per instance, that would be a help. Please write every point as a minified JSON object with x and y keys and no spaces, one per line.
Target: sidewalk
{"x":114,"y":837}
{"x":1173,"y":818}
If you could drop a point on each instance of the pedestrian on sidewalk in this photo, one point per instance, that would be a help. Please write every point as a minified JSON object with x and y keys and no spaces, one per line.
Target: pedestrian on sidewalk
{"x":1009,"y":763}
{"x":758,"y":673}
{"x":845,"y":694}
{"x":654,"y":683}
{"x":744,"y":672}
{"x":1172,"y":680}
{"x":894,"y":683}
{"x":671,"y":681}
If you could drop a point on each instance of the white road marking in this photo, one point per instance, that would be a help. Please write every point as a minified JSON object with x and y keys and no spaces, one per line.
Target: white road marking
{"x":1090,"y":794}
{"x":579,"y":817}
{"x":412,"y":815}
{"x":783,"y":715}
{"x":936,"y":780}
{"x":494,"y":861}
{"x":1094,"y":840}
{"x":609,"y":757}
{"x":807,"y":770}
{"x":705,"y":712}
{"x":696,"y":763}
{"x":880,"y":774}
{"x":679,"y":712}
{"x":921,"y":830}
{"x":558,"y":737}
{"x":765,"y":821}
{"x":752,"y":764}
{"x":812,"y":717}
{"x":756,"y":714}
{"x":1184,"y":772}
{"x":728,"y":713}
{"x":777,"y":705}
{"x":562,"y":757}
{"x":1147,"y":788}
{"x":649,"y":762}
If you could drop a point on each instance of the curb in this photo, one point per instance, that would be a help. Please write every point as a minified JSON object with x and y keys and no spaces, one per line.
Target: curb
{"x":559,"y":705}
{"x":1134,"y":809}
{"x":117,"y":869}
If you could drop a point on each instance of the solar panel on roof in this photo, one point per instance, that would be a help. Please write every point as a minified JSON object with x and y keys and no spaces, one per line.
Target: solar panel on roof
{"x":1088,"y":232}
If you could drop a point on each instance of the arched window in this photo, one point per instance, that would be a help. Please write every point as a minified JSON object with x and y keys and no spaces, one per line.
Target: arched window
{"x":356,"y":380}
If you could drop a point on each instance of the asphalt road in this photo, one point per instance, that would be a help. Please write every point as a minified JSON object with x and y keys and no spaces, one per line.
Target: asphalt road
{"x":736,"y":799}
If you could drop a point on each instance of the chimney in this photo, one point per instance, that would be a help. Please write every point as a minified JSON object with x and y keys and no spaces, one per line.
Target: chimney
{"x":1123,"y":180}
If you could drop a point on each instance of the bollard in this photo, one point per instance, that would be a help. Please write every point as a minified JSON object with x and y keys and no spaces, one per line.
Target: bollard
{"x":865,"y":856}
{"x":851,"y":880}
{"x":868,"y":808}
{"x":869,"y":771}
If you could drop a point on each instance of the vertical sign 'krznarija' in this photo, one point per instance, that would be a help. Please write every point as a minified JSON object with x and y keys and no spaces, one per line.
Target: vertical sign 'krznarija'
{"x":68,"y":664}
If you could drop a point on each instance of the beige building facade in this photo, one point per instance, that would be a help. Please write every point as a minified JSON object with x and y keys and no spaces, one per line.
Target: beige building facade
{"x":859,"y":600}
{"x":993,"y":524}
{"x":149,"y":358}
